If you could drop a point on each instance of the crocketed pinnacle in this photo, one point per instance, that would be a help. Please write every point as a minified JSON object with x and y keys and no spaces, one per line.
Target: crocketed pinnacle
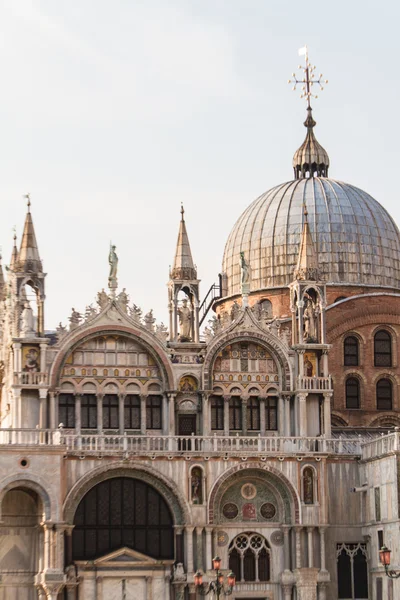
{"x":311,"y":158}
{"x":307,"y":262}
{"x":183,"y":267}
{"x":28,"y":259}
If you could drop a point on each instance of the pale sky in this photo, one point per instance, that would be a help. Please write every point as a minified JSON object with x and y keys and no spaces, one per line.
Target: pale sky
{"x":113,"y":113}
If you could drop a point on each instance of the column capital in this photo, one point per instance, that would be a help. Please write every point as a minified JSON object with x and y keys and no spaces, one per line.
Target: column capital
{"x":310,"y":528}
{"x":171,"y":395}
{"x":245,"y":398}
{"x":226,"y":398}
{"x":199,"y":529}
{"x":189,"y":528}
{"x":328,"y":395}
{"x":298,"y":528}
{"x":99,"y":396}
{"x":144,"y":396}
{"x":209,"y":528}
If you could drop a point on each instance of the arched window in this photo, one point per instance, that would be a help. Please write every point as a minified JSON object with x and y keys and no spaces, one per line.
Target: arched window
{"x":217,"y":413}
{"x":249,"y":557}
{"x":351,"y":357}
{"x":66,"y":410}
{"x":253,"y":414}
{"x":384,"y":394}
{"x":122,"y":512}
{"x":235,"y":414}
{"x":271,"y":413}
{"x":352,"y":571}
{"x":110,"y":411}
{"x":308,"y":485}
{"x":89,"y":411}
{"x":153,"y":412}
{"x":132,"y":412}
{"x":352,"y":393}
{"x":382,"y":349}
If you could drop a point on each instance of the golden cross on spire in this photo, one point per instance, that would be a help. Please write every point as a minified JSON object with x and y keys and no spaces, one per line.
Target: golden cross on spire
{"x":308,"y":78}
{"x":28,"y":198}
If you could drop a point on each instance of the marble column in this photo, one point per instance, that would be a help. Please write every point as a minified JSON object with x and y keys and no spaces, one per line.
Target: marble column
{"x":287,"y":417}
{"x":262,"y":415}
{"x":322,"y":548}
{"x":206,"y":413}
{"x":226,"y":415}
{"x":199,"y":548}
{"x":78,"y":414}
{"x":281,"y":415}
{"x":43,"y":348}
{"x":310,"y":531}
{"x":189,"y":548}
{"x":298,"y":530}
{"x":208,"y":564}
{"x":42,"y":409}
{"x":171,"y":414}
{"x":302,"y":415}
{"x":286,"y":546}
{"x":100,"y":413}
{"x":327,"y":415}
{"x":244,"y":414}
{"x":121,"y":413}
{"x":52,"y":410}
{"x":143,"y":401}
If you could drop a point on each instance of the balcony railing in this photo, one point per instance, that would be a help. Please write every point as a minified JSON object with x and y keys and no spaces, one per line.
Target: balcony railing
{"x":142,"y":445}
{"x":30,"y":379}
{"x":318,"y":384}
{"x":380,"y":446}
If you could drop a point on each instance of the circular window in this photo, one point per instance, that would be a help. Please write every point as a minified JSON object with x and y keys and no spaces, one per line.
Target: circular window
{"x":24,"y":462}
{"x":230,"y":510}
{"x":268,"y":510}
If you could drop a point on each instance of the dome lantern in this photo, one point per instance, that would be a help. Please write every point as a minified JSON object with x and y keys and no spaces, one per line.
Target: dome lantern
{"x":311,"y":159}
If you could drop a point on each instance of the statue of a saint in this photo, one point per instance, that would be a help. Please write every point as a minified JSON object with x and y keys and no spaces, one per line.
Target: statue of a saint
{"x":245,"y":274}
{"x":102,"y":299}
{"x":74,"y":319}
{"x":149,"y":320}
{"x":123,"y":301}
{"x":235,"y":310}
{"x":27,"y":327}
{"x":135,"y":313}
{"x":309,"y":319}
{"x":185,"y":321}
{"x":113,"y":260}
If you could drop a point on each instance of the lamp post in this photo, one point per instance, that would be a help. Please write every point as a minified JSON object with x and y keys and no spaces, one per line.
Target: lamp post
{"x":217,"y":586}
{"x":384,"y":557}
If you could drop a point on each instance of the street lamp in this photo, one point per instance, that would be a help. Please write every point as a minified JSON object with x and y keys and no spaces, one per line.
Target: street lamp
{"x":217,"y":586}
{"x":384,"y":557}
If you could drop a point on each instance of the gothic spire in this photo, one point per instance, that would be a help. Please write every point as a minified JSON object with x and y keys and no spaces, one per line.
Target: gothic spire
{"x":28,"y":256}
{"x":14,"y":254}
{"x":183,"y":267}
{"x":307,"y":262}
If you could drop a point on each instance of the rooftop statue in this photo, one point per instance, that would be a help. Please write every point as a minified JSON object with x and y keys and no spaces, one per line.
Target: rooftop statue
{"x":113,"y":261}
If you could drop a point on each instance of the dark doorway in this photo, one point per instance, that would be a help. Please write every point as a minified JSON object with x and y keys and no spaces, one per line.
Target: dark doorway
{"x":186,"y":427}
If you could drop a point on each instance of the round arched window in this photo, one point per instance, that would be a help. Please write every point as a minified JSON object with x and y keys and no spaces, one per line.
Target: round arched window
{"x":122,"y":512}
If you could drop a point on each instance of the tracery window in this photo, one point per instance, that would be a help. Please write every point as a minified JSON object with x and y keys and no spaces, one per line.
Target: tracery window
{"x":110,"y":411}
{"x":271,"y":413}
{"x":132,"y":412}
{"x":235,"y":414}
{"x":352,"y":392}
{"x":351,"y":351}
{"x":253,"y":414}
{"x":249,"y":557}
{"x":153,"y":412}
{"x":352,"y":571}
{"x":66,"y":410}
{"x":217,"y":413}
{"x":89,"y":411}
{"x":382,"y":349}
{"x":384,"y":394}
{"x":122,"y":512}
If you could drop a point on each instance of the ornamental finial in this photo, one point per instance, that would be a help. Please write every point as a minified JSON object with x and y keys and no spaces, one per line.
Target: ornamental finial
{"x":307,"y":79}
{"x":28,"y":198}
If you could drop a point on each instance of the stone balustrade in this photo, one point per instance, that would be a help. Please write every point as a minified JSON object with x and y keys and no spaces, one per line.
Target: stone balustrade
{"x":114,"y":444}
{"x":379,"y":446}
{"x":318,"y":384}
{"x":30,"y":379}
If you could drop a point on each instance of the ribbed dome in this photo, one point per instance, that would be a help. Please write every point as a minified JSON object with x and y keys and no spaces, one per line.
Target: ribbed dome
{"x":356,"y":240}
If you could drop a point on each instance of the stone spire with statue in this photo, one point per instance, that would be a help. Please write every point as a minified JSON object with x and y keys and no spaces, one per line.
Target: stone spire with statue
{"x":112,"y":278}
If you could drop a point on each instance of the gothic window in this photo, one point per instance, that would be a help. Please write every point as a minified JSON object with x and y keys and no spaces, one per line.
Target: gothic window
{"x":308,"y":485}
{"x":382,"y":349}
{"x":351,"y":351}
{"x":196,"y":485}
{"x":122,"y":512}
{"x":352,"y":571}
{"x":217,"y":413}
{"x":384,"y":394}
{"x":253,"y":414}
{"x":235,"y":414}
{"x":66,"y":410}
{"x":132,"y":412}
{"x":352,"y":393}
{"x":89,"y":411}
{"x":110,"y":411}
{"x":249,"y":557}
{"x":153,"y":412}
{"x":271,"y":413}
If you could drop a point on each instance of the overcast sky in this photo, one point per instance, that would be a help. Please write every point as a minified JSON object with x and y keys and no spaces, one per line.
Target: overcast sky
{"x":113,"y":113}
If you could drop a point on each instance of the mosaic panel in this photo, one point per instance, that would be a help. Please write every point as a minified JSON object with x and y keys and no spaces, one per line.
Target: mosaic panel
{"x":245,"y":362}
{"x":249,"y":501}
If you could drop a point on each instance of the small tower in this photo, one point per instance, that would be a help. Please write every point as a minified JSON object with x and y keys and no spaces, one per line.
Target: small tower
{"x":184,"y":313}
{"x":26,"y":270}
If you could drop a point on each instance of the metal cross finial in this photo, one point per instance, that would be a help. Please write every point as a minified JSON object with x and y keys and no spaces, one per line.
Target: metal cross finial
{"x":15,"y":234}
{"x":28,"y":197}
{"x":308,"y":80}
{"x":182,"y":211}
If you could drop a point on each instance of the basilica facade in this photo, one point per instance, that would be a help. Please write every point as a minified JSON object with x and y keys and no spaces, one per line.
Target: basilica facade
{"x":132,"y":453}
